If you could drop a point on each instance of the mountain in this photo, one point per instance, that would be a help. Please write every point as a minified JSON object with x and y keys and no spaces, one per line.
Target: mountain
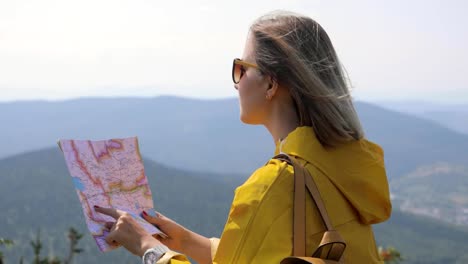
{"x":184,"y":133}
{"x":410,"y":142}
{"x":36,"y":191}
{"x":415,"y":106}
{"x":453,"y":116}
{"x":207,"y":135}
{"x":439,"y":191}
{"x":422,"y":240}
{"x":458,"y":121}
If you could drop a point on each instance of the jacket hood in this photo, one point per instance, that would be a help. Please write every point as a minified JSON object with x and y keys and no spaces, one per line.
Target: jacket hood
{"x":356,"y":168}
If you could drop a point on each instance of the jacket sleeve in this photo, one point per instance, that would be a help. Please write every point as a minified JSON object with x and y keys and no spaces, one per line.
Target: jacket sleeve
{"x":172,"y":257}
{"x":214,"y":246}
{"x":257,"y":229}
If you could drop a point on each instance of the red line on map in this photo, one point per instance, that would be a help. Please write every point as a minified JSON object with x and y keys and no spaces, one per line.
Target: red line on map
{"x":89,"y":208}
{"x":99,"y":156}
{"x":141,"y":179}
{"x":84,"y":169}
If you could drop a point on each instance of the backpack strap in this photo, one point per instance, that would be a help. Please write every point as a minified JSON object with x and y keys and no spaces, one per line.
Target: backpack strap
{"x":332,"y":245}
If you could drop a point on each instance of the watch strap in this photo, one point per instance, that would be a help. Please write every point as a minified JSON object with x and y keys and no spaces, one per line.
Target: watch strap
{"x":154,"y":254}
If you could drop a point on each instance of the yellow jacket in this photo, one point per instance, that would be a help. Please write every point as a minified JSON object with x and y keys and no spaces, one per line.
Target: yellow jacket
{"x":353,"y":185}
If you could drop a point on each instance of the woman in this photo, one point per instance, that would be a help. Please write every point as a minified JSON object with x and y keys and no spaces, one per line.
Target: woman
{"x":289,"y":80}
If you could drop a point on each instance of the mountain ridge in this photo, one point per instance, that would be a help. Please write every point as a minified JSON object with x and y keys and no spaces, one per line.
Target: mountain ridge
{"x":185,"y":133}
{"x":37,"y":192}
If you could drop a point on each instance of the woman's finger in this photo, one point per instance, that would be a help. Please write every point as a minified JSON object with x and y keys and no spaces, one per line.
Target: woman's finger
{"x":112,"y":212}
{"x":109,"y":225}
{"x":111,"y":238}
{"x":154,"y":217}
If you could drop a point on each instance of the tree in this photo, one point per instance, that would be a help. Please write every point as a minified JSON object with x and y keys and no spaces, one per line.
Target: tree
{"x":73,"y":238}
{"x":390,"y":255}
{"x":37,"y":247}
{"x":4,"y":242}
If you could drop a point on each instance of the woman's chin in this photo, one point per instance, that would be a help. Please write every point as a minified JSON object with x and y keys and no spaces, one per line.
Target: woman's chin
{"x":244,"y":119}
{"x":248,"y":120}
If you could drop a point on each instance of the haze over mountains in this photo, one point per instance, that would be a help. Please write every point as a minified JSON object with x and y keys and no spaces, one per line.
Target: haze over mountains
{"x":206,"y":135}
{"x":199,"y":150}
{"x":453,"y":116}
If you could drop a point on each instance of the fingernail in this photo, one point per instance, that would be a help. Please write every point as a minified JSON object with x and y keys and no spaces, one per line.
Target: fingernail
{"x":144,"y":213}
{"x":152,"y":213}
{"x":96,"y":206}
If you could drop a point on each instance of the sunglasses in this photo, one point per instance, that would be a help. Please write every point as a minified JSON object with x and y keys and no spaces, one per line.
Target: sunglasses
{"x":238,"y":69}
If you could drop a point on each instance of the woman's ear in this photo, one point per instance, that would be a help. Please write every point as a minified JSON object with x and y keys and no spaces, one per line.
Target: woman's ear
{"x":272,"y":88}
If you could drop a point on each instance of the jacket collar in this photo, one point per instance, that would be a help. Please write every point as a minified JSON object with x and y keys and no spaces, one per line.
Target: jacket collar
{"x":294,"y":143}
{"x":356,"y":168}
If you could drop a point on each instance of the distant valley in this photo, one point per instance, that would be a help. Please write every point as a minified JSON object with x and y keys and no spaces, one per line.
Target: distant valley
{"x":200,"y":146}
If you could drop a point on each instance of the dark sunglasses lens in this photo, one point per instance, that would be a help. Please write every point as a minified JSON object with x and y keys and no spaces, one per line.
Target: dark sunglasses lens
{"x":236,"y":72}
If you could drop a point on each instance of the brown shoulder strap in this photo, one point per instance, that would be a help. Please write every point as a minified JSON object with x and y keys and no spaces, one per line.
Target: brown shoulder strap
{"x":299,"y":218}
{"x":331,"y":238}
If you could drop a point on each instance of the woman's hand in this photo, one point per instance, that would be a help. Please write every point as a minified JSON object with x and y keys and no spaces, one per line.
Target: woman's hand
{"x":181,"y":239}
{"x":127,"y":232}
{"x":178,"y":237}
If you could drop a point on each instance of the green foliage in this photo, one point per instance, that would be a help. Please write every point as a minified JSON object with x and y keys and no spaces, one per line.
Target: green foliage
{"x":4,"y":242}
{"x":423,"y":240}
{"x":439,"y":190}
{"x":37,"y":192}
{"x":390,"y":255}
{"x":37,"y":247}
{"x":73,"y":238}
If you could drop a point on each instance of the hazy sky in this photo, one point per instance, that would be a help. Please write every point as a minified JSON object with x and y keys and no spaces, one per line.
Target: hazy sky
{"x":56,"y":49}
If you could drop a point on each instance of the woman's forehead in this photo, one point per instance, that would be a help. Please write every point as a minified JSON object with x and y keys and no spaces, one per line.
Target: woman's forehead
{"x":249,"y":54}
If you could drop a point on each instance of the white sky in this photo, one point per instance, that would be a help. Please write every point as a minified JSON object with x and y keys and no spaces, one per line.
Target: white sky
{"x":57,"y":49}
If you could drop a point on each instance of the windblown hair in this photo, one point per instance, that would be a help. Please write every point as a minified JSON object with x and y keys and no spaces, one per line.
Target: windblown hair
{"x":298,"y":54}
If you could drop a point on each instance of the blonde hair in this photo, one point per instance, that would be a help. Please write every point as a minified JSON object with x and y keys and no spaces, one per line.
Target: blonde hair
{"x":298,"y":54}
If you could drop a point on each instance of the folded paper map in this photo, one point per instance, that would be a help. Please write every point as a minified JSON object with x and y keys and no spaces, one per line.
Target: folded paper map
{"x":108,"y":173}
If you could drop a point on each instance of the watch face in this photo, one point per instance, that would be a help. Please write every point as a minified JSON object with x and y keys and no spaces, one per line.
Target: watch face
{"x":150,"y":258}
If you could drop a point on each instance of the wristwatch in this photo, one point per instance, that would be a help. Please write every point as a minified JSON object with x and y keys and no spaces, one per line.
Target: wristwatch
{"x":154,"y":254}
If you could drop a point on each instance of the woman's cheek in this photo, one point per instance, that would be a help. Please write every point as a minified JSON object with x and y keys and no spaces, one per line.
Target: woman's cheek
{"x":241,"y":103}
{"x":246,"y":107}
